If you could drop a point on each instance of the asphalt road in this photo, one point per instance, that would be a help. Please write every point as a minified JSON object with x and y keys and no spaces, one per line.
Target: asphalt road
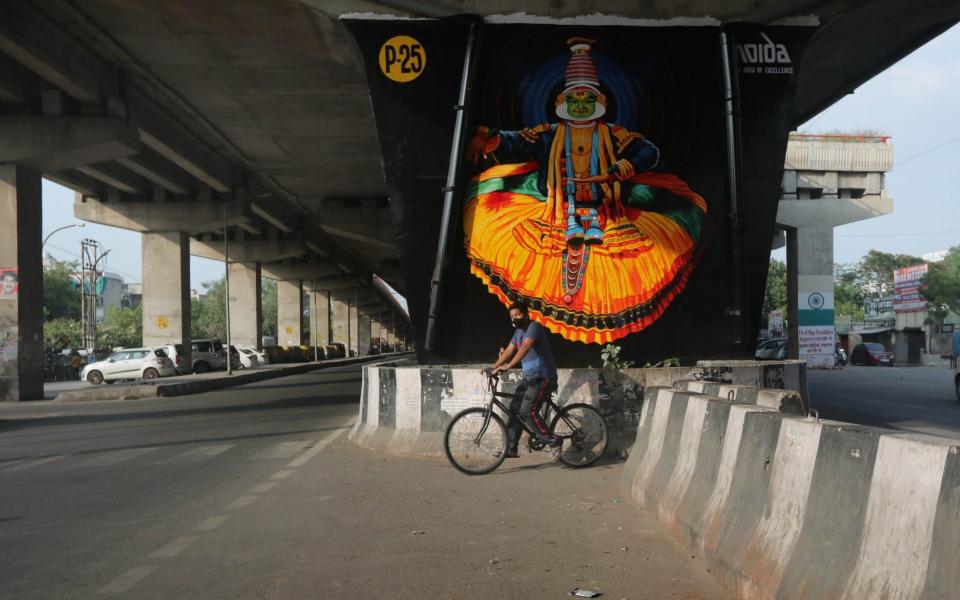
{"x":918,"y":399}
{"x":254,"y":492}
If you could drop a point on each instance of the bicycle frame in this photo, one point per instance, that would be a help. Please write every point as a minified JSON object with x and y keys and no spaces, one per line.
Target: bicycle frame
{"x":547,"y":406}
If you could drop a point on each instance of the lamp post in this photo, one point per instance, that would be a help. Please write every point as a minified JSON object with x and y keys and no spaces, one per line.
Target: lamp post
{"x":60,"y":229}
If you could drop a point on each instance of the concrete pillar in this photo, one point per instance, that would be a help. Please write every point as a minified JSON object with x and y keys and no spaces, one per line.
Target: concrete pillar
{"x":246,"y":310}
{"x":21,"y":291}
{"x":340,"y":317}
{"x":354,"y":324}
{"x":363,"y":334}
{"x":793,"y":346}
{"x":320,"y":316}
{"x":166,"y":289}
{"x":816,"y":335}
{"x":289,"y":312}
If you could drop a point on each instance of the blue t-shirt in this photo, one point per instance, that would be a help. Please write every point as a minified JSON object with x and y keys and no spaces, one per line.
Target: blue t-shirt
{"x":538,"y":361}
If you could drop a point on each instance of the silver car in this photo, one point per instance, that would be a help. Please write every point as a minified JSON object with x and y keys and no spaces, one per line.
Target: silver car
{"x":129,"y":363}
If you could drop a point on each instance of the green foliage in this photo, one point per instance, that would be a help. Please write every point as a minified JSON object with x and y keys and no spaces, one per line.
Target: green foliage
{"x":62,"y":333}
{"x":848,"y":293}
{"x":611,"y":358}
{"x":268,"y":301}
{"x":121,"y":327}
{"x":61,"y":299}
{"x":941,"y":286}
{"x":875,"y":271}
{"x":208,"y":314}
{"x":775,"y":296}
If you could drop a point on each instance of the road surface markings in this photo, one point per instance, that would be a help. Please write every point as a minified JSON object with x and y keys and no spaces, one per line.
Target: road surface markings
{"x":116,"y":456}
{"x":26,"y":464}
{"x":263,"y":488}
{"x":281,"y":450}
{"x":303,"y":458}
{"x":175,"y":547}
{"x":282,"y":474}
{"x":206,"y":451}
{"x":127,"y":580}
{"x":241,"y":502}
{"x":211,"y":523}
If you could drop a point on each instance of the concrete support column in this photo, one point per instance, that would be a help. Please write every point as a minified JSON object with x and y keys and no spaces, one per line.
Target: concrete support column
{"x":289,"y":312}
{"x":793,"y":346}
{"x":354,"y":325}
{"x":320,"y":324}
{"x":363,"y":334}
{"x":166,"y":289}
{"x":816,"y":335}
{"x":246,"y":310}
{"x":340,"y":317}
{"x":21,"y":285}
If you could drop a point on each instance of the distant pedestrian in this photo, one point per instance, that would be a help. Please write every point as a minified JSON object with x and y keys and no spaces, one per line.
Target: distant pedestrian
{"x":75,"y":364}
{"x":955,"y":349}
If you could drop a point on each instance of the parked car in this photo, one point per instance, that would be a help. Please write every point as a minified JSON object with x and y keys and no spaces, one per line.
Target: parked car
{"x":871,"y":354}
{"x":130,"y":363}
{"x":772,"y":349}
{"x":176,"y":353}
{"x":207,"y":355}
{"x":261,"y":355}
{"x":248,"y":358}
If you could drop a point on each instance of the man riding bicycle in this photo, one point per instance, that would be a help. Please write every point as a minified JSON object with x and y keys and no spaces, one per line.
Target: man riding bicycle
{"x":530,"y":347}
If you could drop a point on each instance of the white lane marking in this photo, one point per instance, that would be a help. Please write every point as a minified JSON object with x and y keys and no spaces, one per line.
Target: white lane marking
{"x":281,"y":474}
{"x":126,"y":581}
{"x":212,"y":523}
{"x":303,"y":458}
{"x":26,"y":464}
{"x":263,"y":488}
{"x":175,"y":547}
{"x":322,"y":498}
{"x":241,"y":502}
{"x":281,"y":450}
{"x":116,"y":456}
{"x":206,"y":451}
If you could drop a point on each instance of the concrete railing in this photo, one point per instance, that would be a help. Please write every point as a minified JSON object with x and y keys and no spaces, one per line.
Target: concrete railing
{"x":839,"y":156}
{"x":405,"y":409}
{"x":788,"y":507}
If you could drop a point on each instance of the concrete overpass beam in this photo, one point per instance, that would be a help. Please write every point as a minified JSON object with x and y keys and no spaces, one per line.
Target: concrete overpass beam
{"x":21,"y":289}
{"x":57,"y":143}
{"x":190,"y":216}
{"x":166,"y":288}
{"x":249,"y":250}
{"x":303,"y":271}
{"x":289,"y":312}
{"x":152,"y":167}
{"x":246,"y":313}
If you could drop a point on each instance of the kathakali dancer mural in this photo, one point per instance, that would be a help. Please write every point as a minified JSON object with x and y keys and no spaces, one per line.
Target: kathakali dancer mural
{"x":588,"y":232}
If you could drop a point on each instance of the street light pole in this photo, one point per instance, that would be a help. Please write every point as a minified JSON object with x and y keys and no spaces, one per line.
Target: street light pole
{"x":59,"y":229}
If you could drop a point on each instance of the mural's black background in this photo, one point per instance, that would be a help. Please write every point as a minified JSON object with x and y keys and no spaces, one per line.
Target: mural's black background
{"x":680,"y":75}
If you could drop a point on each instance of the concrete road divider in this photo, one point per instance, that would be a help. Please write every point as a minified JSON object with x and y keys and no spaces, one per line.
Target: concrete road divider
{"x":785,"y":401}
{"x":789,"y":507}
{"x":404,"y":410}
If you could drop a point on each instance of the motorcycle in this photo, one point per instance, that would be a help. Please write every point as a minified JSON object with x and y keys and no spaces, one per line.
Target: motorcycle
{"x":839,"y":357}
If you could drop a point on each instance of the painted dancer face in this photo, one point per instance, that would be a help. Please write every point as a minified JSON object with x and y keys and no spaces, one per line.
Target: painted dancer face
{"x":581,"y":104}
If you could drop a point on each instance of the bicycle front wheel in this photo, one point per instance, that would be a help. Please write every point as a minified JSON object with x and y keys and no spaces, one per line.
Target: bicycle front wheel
{"x":584,"y":432}
{"x":470,"y":447}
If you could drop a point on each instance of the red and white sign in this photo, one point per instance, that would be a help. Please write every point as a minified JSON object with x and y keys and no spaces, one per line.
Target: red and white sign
{"x":906,"y":289}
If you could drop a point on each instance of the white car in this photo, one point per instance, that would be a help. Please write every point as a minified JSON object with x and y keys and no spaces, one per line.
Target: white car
{"x":129,"y":363}
{"x":248,"y":358}
{"x":261,"y":355}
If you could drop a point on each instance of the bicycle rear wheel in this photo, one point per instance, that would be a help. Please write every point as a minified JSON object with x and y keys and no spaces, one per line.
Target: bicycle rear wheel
{"x":585,"y":432}
{"x":470,"y":448}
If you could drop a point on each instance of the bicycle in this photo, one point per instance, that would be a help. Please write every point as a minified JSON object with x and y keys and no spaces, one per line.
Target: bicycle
{"x":475,"y":441}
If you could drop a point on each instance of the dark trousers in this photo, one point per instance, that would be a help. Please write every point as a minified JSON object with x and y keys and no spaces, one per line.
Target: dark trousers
{"x":535,"y":390}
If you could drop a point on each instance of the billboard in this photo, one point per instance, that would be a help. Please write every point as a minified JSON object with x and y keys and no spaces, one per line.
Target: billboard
{"x":593,"y":179}
{"x":9,"y":283}
{"x":906,"y":289}
{"x":878,"y":309}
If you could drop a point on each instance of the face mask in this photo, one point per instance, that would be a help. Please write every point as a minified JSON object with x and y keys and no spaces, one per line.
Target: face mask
{"x":517,"y":323}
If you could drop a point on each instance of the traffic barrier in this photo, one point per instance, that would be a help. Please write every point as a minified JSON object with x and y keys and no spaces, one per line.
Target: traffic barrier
{"x":785,"y":401}
{"x":788,"y":507}
{"x":404,"y":410}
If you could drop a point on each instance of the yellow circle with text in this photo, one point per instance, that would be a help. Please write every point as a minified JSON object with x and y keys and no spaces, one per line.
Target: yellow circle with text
{"x":402,"y":58}
{"x":162,"y":322}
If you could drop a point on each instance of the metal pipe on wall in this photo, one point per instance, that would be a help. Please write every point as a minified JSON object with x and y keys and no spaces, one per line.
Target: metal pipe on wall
{"x":453,"y":173}
{"x":738,"y":308}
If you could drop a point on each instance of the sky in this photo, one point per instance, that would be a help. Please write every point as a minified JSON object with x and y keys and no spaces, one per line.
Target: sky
{"x":915,"y":102}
